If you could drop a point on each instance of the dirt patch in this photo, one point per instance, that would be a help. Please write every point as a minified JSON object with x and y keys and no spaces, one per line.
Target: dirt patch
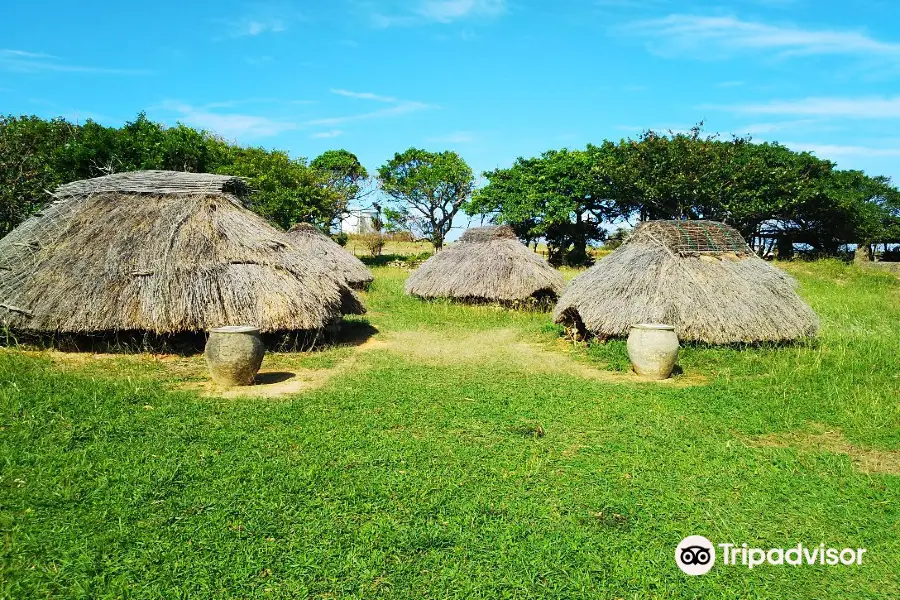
{"x":822,"y":439}
{"x":268,"y":384}
{"x":373,"y":344}
{"x":174,"y":365}
{"x":285,"y":375}
{"x":502,"y":347}
{"x":278,"y":383}
{"x":885,"y":267}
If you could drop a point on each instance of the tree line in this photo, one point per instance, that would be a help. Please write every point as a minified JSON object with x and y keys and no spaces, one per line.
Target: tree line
{"x":36,"y":155}
{"x":568,"y":198}
{"x":771,"y":194}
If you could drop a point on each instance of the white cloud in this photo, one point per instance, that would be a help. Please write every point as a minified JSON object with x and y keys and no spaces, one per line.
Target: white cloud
{"x":757,"y":128}
{"x":22,"y":61}
{"x":230,"y":125}
{"x":440,"y":11}
{"x":253,"y":27}
{"x":254,"y":101}
{"x":402,"y":108}
{"x":851,"y":108}
{"x":258,"y":18}
{"x":365,"y":96}
{"x":322,"y":135}
{"x":841,"y":151}
{"x":258,"y":61}
{"x":24,"y":54}
{"x":715,"y":36}
{"x":447,"y":11}
{"x":457,"y":137}
{"x":398,"y":107}
{"x":628,"y":4}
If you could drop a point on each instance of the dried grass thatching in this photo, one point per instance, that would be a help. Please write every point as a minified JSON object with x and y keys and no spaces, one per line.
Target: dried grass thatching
{"x":699,"y":276}
{"x":162,"y":253}
{"x":489,"y":264}
{"x":312,"y":242}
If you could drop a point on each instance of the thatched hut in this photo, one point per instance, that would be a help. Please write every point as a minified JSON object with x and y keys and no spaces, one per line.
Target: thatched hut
{"x":160,"y":252}
{"x":312,"y":242}
{"x":699,"y":276}
{"x":489,"y":264}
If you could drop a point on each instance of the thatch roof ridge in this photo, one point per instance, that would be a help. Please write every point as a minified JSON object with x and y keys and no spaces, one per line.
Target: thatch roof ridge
{"x":155,"y":182}
{"x":714,"y":296}
{"x":306,"y":228}
{"x":497,"y":269}
{"x":488,"y":233}
{"x":160,"y":263}
{"x":691,"y":236}
{"x":311,"y":241}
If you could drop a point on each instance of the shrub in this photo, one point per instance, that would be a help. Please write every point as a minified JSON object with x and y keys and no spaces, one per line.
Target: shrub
{"x":373,"y":242}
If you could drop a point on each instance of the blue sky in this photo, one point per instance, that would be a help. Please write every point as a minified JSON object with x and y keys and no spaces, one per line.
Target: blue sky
{"x":491,"y":79}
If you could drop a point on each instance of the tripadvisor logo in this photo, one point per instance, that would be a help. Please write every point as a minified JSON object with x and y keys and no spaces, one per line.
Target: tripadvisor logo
{"x":696,"y":555}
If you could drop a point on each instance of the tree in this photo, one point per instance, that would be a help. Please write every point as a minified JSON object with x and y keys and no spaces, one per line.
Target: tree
{"x":195,"y":151}
{"x":36,"y":155}
{"x":756,"y":188}
{"x":849,"y":207}
{"x":29,"y":165}
{"x":428,"y":189}
{"x":559,"y":196}
{"x":286,"y":190}
{"x":770,"y":193}
{"x":342,"y":172}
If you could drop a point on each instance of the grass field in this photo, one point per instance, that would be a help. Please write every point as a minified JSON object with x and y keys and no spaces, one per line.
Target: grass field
{"x":460,"y":452}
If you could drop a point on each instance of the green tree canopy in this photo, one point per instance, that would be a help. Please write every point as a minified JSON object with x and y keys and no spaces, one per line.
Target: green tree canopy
{"x":559,"y":196}
{"x":36,"y":155}
{"x":29,"y":165}
{"x":766,"y":191}
{"x":342,"y":172}
{"x":286,"y":190}
{"x":427,"y":189}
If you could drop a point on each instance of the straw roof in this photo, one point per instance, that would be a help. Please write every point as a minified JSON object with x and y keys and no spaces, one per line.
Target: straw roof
{"x":489,"y":264}
{"x":699,"y":276}
{"x":312,"y":242}
{"x":160,"y":252}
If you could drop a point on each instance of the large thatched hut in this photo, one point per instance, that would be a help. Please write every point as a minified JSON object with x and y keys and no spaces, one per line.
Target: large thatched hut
{"x":312,"y":242}
{"x":489,"y":264}
{"x":699,"y":276}
{"x":160,"y":252}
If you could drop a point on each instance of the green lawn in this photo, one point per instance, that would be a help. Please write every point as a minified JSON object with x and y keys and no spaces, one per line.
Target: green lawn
{"x":463,"y":452}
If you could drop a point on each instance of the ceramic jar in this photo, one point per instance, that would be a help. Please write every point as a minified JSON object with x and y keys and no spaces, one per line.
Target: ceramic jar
{"x":234,"y":354}
{"x":653,"y":350}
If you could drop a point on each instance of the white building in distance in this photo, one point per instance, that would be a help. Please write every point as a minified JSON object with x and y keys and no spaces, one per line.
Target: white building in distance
{"x":359,"y":220}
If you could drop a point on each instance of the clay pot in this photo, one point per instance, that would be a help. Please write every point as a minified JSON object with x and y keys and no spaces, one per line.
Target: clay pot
{"x":653,"y":350}
{"x":234,"y":354}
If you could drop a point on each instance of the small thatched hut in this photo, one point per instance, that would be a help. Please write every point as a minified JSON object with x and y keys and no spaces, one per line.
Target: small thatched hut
{"x":489,"y":264}
{"x":699,"y":276}
{"x":312,"y":242}
{"x":160,"y":252}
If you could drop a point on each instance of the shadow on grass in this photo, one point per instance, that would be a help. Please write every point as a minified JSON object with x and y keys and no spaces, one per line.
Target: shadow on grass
{"x":183,"y":344}
{"x":354,"y":333}
{"x":387,"y":259}
{"x":274,"y":377}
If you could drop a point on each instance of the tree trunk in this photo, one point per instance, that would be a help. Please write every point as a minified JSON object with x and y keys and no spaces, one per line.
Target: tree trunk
{"x":784,"y":249}
{"x":554,"y":255}
{"x":863,"y":252}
